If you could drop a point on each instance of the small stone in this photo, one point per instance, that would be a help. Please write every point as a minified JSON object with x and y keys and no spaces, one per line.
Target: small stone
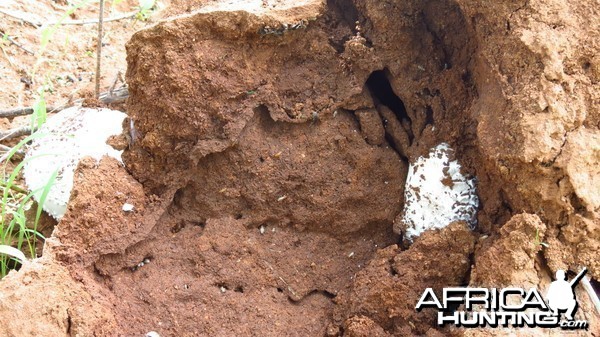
{"x":127,"y":207}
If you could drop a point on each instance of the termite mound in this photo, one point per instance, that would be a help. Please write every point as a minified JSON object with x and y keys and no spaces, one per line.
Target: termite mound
{"x":303,"y":118}
{"x":269,"y":142}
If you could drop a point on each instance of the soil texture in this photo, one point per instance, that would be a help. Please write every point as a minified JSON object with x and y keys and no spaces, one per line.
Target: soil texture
{"x":267,"y":150}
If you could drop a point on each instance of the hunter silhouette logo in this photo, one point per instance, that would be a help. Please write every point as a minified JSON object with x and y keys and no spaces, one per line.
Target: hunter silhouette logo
{"x":507,"y":307}
{"x":561,"y":295}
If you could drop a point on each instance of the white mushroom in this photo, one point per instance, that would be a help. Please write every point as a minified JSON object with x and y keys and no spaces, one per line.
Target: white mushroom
{"x":437,"y":193}
{"x":66,"y":138}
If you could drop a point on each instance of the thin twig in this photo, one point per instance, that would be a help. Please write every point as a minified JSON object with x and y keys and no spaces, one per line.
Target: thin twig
{"x":93,"y":21}
{"x":19,"y":112}
{"x":14,"y":133}
{"x":7,"y":57}
{"x":14,"y":188}
{"x":5,"y":148}
{"x":8,"y":149}
{"x":19,"y":17}
{"x":118,"y":78}
{"x":114,"y":96}
{"x":8,"y":154}
{"x":4,"y":157}
{"x":117,"y":96}
{"x":591,"y":292}
{"x":99,"y":49}
{"x":68,"y":22}
{"x":20,"y":46}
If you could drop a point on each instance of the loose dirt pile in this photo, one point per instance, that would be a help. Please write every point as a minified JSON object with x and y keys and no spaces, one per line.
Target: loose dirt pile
{"x":67,"y":63}
{"x":269,"y":143}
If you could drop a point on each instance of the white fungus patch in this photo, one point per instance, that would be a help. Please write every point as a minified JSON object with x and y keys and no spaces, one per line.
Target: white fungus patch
{"x":437,"y":193}
{"x":66,"y":138}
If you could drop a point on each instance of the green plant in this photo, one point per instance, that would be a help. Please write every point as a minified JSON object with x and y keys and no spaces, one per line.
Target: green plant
{"x":15,"y":231}
{"x":48,"y":32}
{"x":39,"y":115}
{"x":19,"y":234}
{"x":145,"y":9}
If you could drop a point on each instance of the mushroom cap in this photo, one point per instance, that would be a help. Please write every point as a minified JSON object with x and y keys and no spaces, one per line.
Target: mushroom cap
{"x":437,"y":193}
{"x":62,"y":141}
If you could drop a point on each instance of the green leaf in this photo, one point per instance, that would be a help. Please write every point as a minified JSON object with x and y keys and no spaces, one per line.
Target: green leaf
{"x":9,"y":182}
{"x":45,"y":192}
{"x":38,"y":118}
{"x":45,"y":36}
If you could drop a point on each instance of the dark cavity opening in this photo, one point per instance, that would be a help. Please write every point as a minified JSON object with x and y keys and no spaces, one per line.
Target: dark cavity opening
{"x":178,"y":197}
{"x":345,"y":9}
{"x":382,"y":91}
{"x":340,"y":20}
{"x":428,"y":116}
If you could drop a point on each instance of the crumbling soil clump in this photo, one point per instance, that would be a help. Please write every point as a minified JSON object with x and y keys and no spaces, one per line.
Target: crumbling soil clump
{"x":521,"y":264}
{"x":59,"y":304}
{"x":83,"y":234}
{"x":386,"y":289}
{"x":267,"y":150}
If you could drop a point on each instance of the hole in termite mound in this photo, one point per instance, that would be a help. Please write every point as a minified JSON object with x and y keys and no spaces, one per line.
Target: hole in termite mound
{"x":382,"y":91}
{"x":295,"y":177}
{"x":380,"y":87}
{"x":344,"y":9}
{"x":340,"y":22}
{"x":413,"y":130}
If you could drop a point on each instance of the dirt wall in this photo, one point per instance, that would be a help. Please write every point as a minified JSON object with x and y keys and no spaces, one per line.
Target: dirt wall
{"x":269,"y":141}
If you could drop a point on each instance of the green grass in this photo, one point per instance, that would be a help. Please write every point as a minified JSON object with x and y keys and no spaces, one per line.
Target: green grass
{"x":15,"y":229}
{"x":17,"y":232}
